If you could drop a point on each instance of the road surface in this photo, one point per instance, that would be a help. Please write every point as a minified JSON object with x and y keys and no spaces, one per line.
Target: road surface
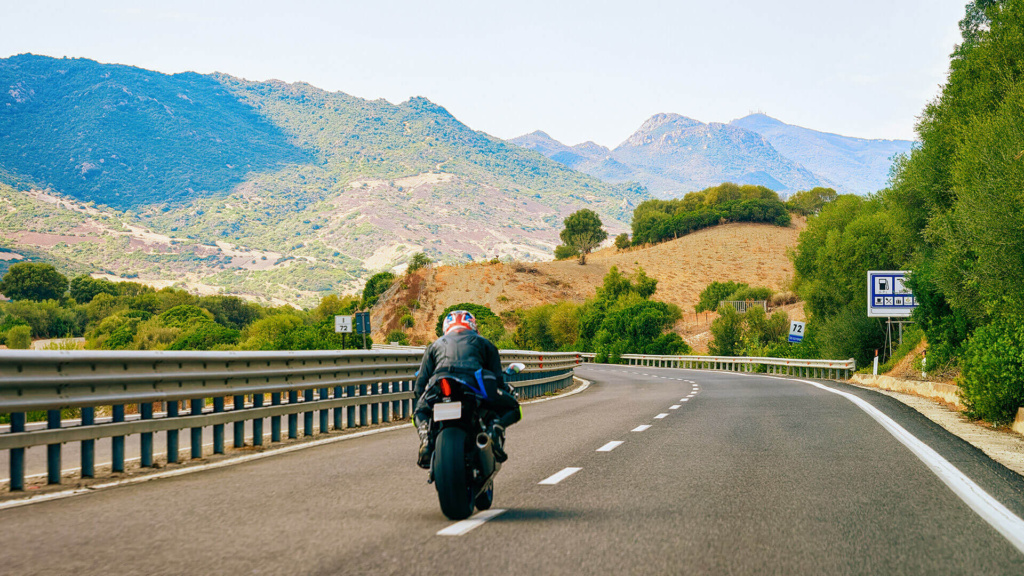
{"x":649,"y":471}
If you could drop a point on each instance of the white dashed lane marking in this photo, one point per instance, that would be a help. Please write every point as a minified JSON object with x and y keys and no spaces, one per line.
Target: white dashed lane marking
{"x":660,"y":416}
{"x":674,"y":407}
{"x":460,"y":528}
{"x":610,"y":446}
{"x":684,"y":399}
{"x":556,"y":478}
{"x":641,"y":428}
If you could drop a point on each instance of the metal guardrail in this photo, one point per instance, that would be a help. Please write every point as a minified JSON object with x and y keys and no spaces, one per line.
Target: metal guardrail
{"x":360,"y":387}
{"x":788,"y":366}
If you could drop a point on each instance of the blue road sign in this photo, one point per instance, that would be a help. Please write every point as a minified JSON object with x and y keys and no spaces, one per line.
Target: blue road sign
{"x":888,"y":294}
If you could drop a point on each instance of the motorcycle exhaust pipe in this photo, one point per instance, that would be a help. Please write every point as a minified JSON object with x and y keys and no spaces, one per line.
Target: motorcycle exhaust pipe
{"x":482,"y":440}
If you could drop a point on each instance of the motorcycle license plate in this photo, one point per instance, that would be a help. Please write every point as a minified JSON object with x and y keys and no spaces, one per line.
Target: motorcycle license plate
{"x":447,"y":411}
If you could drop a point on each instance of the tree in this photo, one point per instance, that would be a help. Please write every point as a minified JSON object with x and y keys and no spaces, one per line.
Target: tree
{"x":33,"y":281}
{"x":418,"y":260}
{"x":622,"y":241}
{"x":19,"y":338}
{"x":375,"y":286}
{"x":583,"y":232}
{"x":84,"y":288}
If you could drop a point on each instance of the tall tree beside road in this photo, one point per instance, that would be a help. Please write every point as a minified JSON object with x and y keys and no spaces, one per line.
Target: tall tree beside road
{"x":33,"y":281}
{"x":583,"y":232}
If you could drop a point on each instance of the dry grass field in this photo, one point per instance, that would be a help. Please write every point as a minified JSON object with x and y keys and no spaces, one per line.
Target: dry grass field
{"x":742,"y":252}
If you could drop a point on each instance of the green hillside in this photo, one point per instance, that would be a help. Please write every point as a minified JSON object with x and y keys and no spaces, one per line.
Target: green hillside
{"x":267,"y":189}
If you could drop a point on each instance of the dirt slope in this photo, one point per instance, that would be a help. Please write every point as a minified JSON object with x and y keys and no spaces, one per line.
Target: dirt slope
{"x":743,"y":252}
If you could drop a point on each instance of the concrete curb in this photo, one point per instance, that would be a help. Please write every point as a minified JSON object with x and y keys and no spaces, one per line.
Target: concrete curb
{"x":934,"y":390}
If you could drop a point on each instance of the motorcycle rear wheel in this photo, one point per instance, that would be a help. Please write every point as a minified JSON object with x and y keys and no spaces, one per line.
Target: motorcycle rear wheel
{"x":453,"y":491}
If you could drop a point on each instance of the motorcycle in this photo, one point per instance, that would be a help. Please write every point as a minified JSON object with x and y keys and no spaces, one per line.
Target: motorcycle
{"x":463,"y":466}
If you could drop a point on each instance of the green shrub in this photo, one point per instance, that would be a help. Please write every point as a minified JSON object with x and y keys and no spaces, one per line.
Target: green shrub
{"x":407,"y":321}
{"x":714,"y":293}
{"x":19,"y":338}
{"x":992,"y":377}
{"x":418,"y":260}
{"x":622,"y":241}
{"x":760,"y":293}
{"x":398,"y":337}
{"x":184,"y":316}
{"x":563,"y":252}
{"x":205,"y":336}
{"x":726,"y":332}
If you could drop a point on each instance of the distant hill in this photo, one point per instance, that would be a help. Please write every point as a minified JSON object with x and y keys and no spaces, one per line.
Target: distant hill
{"x":672,"y":154}
{"x":268,"y":189}
{"x":855,"y":164}
{"x":742,"y":252}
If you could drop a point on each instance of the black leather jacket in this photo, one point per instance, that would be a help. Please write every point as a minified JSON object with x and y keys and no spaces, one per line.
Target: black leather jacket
{"x":462,"y":351}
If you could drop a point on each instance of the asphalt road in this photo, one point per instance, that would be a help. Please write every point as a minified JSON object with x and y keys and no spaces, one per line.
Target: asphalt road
{"x":749,"y":475}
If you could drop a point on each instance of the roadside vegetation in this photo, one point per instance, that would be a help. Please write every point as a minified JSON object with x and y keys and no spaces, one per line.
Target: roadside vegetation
{"x":953,"y":215}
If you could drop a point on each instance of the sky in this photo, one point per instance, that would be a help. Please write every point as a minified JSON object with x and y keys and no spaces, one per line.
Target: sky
{"x":579,"y":70}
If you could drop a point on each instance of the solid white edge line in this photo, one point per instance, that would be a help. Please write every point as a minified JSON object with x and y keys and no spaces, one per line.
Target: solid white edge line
{"x":641,"y":428}
{"x":460,"y":528}
{"x":662,"y":415}
{"x":610,"y":446}
{"x":227,"y":462}
{"x":991,"y":510}
{"x":559,"y":476}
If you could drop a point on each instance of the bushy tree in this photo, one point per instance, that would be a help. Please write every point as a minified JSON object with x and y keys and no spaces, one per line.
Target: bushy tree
{"x":33,"y":281}
{"x":418,"y":260}
{"x":808,"y":202}
{"x":84,"y":288}
{"x":488,"y":324}
{"x":583,"y":232}
{"x":19,"y":338}
{"x":622,"y":241}
{"x":375,"y":286}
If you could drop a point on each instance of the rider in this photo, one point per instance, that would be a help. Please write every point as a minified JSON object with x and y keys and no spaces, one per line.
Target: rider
{"x":461,"y":353}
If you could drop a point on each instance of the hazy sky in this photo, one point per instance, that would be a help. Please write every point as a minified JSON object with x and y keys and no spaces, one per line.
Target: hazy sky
{"x":580,"y":70}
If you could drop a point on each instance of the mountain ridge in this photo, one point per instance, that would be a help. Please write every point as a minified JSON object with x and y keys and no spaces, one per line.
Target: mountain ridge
{"x":756,"y":149}
{"x":341,"y":187}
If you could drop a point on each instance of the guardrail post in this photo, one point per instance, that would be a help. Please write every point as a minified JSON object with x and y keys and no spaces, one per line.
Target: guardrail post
{"x":17,"y":455}
{"x":339,"y":410}
{"x":307,"y":416}
{"x":257,"y":424}
{"x":405,"y":403}
{"x":218,"y":429}
{"x":385,"y":407}
{"x":324,"y":414}
{"x":196,"y":409}
{"x":117,"y":442}
{"x":87,"y":452}
{"x":52,"y":450}
{"x":293,"y":418}
{"x":396,"y":405}
{"x":362,"y":407}
{"x":146,"y":438}
{"x":350,"y":411}
{"x":239,"y":429}
{"x":172,"y":435}
{"x":375,"y":407}
{"x":275,"y":421}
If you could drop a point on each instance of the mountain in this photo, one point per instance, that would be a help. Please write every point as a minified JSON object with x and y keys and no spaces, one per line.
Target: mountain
{"x":854,"y":164}
{"x":696,"y":155}
{"x":267,"y":189}
{"x":672,"y":154}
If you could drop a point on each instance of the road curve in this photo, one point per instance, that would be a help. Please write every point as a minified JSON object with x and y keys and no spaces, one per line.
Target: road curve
{"x":650,"y":471}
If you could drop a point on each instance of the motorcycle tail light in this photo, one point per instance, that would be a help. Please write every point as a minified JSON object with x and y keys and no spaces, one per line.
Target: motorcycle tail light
{"x":446,"y":388}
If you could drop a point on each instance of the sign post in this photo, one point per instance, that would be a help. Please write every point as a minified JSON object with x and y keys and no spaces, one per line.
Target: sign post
{"x":796,"y":332}
{"x":889,"y":297}
{"x":363,"y":325}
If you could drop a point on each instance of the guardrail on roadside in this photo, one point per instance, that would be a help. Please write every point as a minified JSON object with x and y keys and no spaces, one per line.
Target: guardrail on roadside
{"x":360,"y":387}
{"x":789,"y":366}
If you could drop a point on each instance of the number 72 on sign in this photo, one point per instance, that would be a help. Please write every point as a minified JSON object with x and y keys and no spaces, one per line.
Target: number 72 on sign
{"x":796,"y":331}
